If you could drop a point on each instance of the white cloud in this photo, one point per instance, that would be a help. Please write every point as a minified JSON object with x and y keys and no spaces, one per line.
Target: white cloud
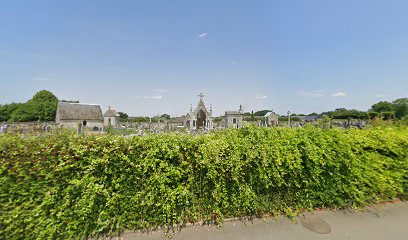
{"x":43,"y":79}
{"x":260,"y":96}
{"x":160,"y":90}
{"x":202,"y":35}
{"x":313,"y":93}
{"x":339,"y":94}
{"x":153,"y":97}
{"x":380,"y":95}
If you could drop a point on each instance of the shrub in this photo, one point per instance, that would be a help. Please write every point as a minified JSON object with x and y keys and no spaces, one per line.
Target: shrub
{"x":63,"y":185}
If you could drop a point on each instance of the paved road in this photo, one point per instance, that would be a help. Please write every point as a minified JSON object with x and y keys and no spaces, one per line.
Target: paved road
{"x":383,"y":222}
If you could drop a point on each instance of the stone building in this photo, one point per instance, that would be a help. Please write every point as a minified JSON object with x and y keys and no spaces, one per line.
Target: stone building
{"x":111,"y":118}
{"x":233,"y":119}
{"x":200,"y":118}
{"x":76,"y":115}
{"x":271,"y":119}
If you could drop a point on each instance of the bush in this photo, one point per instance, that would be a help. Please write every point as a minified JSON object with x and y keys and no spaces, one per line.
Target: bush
{"x":64,"y":185}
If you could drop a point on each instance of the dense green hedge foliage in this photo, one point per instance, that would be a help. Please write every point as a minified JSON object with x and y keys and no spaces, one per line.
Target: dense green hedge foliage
{"x":64,"y":186}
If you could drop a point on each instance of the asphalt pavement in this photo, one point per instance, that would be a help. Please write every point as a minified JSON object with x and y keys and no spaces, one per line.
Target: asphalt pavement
{"x":383,"y":222}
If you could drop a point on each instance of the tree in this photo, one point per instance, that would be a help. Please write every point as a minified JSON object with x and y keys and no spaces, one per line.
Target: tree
{"x":166,"y":116}
{"x":123,"y":115}
{"x":401,"y":101}
{"x":400,"y":107}
{"x":26,"y":112}
{"x":7,"y":109}
{"x":44,"y":105}
{"x":382,"y":106}
{"x":44,"y":96}
{"x":139,"y":119}
{"x":261,"y":113}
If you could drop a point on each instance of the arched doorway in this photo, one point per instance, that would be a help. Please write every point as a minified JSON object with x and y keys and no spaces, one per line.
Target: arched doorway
{"x":201,"y":119}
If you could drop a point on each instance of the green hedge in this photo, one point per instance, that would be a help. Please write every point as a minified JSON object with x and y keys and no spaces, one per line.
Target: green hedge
{"x":64,"y":186}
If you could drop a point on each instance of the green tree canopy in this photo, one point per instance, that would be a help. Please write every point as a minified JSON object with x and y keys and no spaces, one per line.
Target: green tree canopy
{"x":123,"y":115}
{"x":400,"y":107}
{"x":261,"y":113}
{"x":382,"y":106}
{"x":343,"y":113}
{"x":166,"y":116}
{"x":44,"y":96}
{"x":7,"y":109}
{"x":42,"y":106}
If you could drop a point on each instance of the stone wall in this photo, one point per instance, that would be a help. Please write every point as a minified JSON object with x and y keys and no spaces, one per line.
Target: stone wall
{"x":27,"y":127}
{"x":73,"y":124}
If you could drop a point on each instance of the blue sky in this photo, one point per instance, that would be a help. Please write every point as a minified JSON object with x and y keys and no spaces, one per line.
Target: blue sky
{"x":154,"y":57}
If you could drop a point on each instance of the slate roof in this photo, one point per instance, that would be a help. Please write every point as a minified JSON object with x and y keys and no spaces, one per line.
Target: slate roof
{"x":270,"y":114}
{"x":77,"y":111}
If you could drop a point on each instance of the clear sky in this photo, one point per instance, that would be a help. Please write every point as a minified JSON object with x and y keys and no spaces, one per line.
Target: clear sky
{"x":154,"y":57}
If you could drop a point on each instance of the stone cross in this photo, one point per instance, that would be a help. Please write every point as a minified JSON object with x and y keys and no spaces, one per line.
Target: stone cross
{"x":201,"y":95}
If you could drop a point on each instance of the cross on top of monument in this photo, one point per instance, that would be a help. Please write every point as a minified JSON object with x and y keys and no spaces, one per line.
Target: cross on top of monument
{"x":201,"y":95}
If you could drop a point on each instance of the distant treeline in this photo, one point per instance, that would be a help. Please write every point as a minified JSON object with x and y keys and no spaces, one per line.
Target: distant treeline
{"x":386,"y":110}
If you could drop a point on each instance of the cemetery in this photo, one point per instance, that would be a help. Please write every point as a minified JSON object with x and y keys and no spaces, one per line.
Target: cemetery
{"x":90,"y":118}
{"x":91,"y":174}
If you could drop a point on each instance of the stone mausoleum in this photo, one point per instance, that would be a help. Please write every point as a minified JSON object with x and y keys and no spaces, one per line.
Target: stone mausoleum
{"x":111,"y":118}
{"x":200,"y":118}
{"x":271,"y":119}
{"x":233,"y":119}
